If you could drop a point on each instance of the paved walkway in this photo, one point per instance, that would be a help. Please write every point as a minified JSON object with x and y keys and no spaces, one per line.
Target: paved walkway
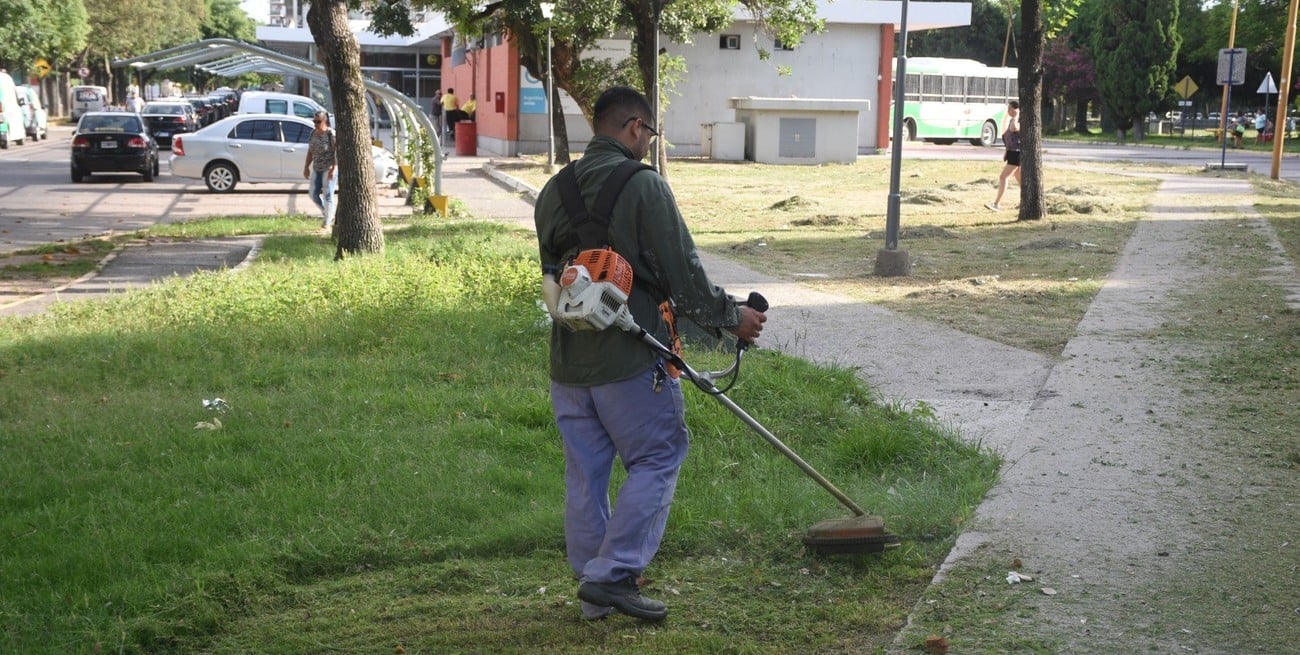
{"x":1093,"y":440}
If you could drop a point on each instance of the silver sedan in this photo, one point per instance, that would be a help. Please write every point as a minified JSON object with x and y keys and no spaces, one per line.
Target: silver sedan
{"x":255,"y":148}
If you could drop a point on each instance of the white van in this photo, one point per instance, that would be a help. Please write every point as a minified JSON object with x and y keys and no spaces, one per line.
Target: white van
{"x":88,"y":98}
{"x":274,"y":102}
{"x":34,"y":113}
{"x":12,"y":126}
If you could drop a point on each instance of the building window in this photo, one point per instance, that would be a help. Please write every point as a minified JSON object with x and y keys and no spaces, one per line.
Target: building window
{"x":777,"y":45}
{"x":729,"y":42}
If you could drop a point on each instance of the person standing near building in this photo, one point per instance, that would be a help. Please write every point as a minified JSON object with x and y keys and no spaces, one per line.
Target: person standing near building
{"x":450,"y":105}
{"x":435,"y":112}
{"x":611,"y":395}
{"x":320,"y":163}
{"x":1011,"y":140}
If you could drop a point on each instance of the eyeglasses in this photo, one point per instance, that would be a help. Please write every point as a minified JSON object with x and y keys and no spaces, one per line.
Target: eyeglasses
{"x":654,"y":134}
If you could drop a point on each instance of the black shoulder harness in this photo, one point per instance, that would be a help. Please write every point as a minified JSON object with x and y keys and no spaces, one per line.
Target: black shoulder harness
{"x":592,"y":225}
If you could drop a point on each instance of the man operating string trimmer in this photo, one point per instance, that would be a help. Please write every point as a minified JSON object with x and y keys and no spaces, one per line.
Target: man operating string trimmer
{"x":613,"y":395}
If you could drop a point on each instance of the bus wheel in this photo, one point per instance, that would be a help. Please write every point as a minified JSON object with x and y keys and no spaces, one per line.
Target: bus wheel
{"x":988,"y":135}
{"x":909,"y":130}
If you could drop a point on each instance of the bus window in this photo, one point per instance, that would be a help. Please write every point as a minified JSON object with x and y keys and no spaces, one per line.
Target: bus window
{"x":976,"y":89}
{"x":954,"y":88}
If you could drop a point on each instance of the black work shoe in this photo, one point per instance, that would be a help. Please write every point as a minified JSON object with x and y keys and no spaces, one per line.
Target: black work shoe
{"x":623,"y":596}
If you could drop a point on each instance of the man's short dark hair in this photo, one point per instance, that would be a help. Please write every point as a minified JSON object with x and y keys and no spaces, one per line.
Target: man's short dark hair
{"x":1014,"y":104}
{"x":619,"y":103}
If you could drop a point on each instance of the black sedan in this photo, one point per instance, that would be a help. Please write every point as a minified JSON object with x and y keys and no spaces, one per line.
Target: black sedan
{"x":203,"y":107}
{"x":113,"y":142}
{"x":167,"y":119}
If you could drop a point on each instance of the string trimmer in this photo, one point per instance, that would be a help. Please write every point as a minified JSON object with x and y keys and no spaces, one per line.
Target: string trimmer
{"x":592,"y":295}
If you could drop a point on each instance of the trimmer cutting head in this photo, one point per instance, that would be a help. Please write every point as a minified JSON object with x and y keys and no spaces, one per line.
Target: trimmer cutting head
{"x":857,"y":534}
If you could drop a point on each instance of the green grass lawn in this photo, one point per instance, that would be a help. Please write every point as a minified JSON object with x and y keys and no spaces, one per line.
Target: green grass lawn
{"x":387,"y":473}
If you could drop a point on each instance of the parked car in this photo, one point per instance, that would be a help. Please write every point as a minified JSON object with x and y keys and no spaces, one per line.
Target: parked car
{"x":275,"y":102}
{"x":12,"y":126}
{"x":113,"y":142}
{"x":167,"y":118}
{"x":88,"y":98}
{"x":255,"y":148}
{"x":203,"y":107}
{"x":35,"y":116}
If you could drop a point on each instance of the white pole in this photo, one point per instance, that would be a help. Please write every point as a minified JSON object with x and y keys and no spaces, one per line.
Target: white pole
{"x":548,"y":10}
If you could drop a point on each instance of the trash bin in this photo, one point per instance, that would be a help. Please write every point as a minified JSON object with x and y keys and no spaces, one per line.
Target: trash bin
{"x":466,"y":139}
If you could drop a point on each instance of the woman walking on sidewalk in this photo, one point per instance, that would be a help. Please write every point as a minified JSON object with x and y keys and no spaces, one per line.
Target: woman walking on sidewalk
{"x":1010,"y":139}
{"x":320,"y":163}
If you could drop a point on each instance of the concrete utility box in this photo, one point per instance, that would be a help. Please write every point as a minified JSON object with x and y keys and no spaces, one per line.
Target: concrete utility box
{"x":800,"y":130}
{"x":723,"y":141}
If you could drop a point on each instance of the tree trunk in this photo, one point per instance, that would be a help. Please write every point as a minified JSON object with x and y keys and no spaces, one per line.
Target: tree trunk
{"x":1033,"y":206}
{"x":561,"y":130}
{"x":1081,"y":117}
{"x":356,"y":227}
{"x":643,"y":46}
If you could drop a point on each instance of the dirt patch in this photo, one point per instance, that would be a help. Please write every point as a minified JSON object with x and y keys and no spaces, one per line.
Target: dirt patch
{"x":824,"y":220}
{"x":793,"y":202}
{"x":918,"y":232}
{"x":1055,"y":243}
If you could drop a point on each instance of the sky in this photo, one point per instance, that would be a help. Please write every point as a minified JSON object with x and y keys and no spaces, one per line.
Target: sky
{"x":257,"y":9}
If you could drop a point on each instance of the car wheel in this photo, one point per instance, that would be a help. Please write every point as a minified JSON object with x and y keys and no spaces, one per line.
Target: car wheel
{"x":220,"y":178}
{"x":149,"y":171}
{"x":77,"y":176}
{"x":4,"y":143}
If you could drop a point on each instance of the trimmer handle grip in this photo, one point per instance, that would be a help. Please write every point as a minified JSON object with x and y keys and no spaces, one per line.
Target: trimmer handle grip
{"x":758,"y":303}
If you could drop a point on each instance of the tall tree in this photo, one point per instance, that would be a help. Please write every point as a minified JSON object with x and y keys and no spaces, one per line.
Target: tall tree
{"x":1136,"y":50}
{"x":1033,"y":205}
{"x":55,"y":30}
{"x":356,"y":228}
{"x":1069,"y":77}
{"x":1038,"y":22}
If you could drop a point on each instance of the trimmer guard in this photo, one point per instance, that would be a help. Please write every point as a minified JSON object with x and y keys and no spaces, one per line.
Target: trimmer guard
{"x":857,"y":534}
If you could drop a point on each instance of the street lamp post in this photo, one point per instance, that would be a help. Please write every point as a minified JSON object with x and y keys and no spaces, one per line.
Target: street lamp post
{"x":548,"y":10}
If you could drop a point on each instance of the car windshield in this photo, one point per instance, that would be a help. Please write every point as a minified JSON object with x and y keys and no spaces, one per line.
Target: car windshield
{"x":160,"y":108}
{"x":104,"y":123}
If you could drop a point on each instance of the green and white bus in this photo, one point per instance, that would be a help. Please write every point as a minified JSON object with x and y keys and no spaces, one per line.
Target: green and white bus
{"x":949,"y":99}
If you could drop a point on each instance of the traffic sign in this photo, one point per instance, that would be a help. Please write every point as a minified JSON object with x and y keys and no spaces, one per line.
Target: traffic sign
{"x":1267,"y":86}
{"x":1186,"y":87}
{"x":41,"y":67}
{"x":1232,"y":66}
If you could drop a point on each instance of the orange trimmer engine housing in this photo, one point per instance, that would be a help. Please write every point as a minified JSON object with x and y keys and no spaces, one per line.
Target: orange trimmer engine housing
{"x":593,"y":291}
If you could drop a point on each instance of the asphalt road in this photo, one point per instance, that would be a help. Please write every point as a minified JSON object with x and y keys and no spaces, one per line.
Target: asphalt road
{"x":39,"y":203}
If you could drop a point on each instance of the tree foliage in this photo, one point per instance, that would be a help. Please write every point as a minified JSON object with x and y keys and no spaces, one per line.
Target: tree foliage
{"x":1135,"y":46}
{"x":55,"y":30}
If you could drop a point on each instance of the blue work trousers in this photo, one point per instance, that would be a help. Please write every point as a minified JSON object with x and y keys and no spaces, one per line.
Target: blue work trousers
{"x":646,"y":429}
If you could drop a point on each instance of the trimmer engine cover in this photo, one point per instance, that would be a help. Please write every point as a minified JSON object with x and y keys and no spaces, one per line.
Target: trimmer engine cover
{"x":593,"y":291}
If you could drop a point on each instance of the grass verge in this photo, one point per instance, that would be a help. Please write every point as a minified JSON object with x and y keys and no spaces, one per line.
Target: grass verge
{"x":387,"y":473}
{"x":1026,"y":284}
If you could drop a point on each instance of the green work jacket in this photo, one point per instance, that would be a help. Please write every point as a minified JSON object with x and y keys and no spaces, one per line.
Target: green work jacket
{"x":647,"y":229}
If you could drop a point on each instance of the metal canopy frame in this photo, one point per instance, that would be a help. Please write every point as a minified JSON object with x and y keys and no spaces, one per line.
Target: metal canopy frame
{"x":231,"y":58}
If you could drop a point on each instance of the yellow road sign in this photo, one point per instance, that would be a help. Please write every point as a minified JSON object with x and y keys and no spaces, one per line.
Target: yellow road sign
{"x":41,"y":67}
{"x":1186,"y":87}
